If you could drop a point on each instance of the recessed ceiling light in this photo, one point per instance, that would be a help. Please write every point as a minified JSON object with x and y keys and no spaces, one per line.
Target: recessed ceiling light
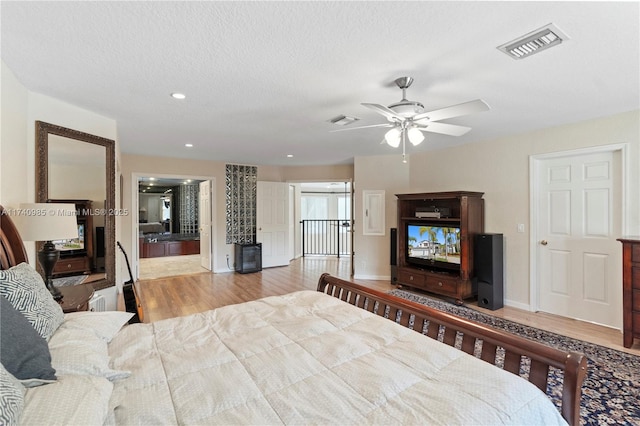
{"x":289,"y":155}
{"x":178,"y":95}
{"x":188,"y":145}
{"x":152,"y":178}
{"x":534,"y":42}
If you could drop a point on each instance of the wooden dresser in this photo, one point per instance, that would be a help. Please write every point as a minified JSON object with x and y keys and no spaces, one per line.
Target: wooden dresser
{"x":630,"y":289}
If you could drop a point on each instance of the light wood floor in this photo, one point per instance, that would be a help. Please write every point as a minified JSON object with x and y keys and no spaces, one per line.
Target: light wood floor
{"x":183,"y":295}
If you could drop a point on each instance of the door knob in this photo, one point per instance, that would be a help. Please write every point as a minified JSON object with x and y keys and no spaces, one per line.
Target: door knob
{"x":544,"y":242}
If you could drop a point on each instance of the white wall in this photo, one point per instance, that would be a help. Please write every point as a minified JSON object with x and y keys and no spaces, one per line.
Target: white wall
{"x":388,"y":173}
{"x":15,"y":167}
{"x":21,"y":108}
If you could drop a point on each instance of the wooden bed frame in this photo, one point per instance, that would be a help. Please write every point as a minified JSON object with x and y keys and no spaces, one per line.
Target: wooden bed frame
{"x":12,"y":252}
{"x":429,"y":321}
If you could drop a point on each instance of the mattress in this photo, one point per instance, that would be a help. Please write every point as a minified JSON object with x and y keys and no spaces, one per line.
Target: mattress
{"x":307,"y":358}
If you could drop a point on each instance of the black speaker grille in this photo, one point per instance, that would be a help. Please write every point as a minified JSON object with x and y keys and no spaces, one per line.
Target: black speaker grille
{"x":488,"y":266}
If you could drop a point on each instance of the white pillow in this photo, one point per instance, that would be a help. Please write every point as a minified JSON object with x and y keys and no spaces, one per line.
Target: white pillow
{"x":81,"y":352}
{"x":11,"y":398}
{"x":104,"y":325}
{"x":25,"y":290}
{"x":71,"y":400}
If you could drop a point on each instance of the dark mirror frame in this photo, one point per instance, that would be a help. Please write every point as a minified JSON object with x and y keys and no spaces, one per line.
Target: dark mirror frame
{"x":43,"y":130}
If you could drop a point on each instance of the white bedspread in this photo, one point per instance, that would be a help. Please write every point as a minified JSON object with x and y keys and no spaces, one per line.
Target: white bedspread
{"x":307,"y":358}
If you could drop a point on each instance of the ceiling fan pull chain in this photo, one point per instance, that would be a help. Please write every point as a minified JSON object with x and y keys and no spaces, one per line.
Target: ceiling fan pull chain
{"x":404,"y":140}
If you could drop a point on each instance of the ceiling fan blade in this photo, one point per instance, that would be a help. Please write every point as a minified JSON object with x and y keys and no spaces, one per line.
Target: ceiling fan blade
{"x":381,"y":109}
{"x":445,"y":129}
{"x":454,"y":111}
{"x":362,"y":127}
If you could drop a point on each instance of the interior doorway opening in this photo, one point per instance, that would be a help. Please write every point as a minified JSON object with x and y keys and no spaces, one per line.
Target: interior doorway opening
{"x":326,"y":219}
{"x":168,"y":227}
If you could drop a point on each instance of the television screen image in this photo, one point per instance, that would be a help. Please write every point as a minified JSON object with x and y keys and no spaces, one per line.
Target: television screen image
{"x":74,"y":244}
{"x":433,"y":245}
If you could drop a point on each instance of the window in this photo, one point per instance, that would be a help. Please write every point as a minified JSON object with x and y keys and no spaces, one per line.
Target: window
{"x":314,"y":207}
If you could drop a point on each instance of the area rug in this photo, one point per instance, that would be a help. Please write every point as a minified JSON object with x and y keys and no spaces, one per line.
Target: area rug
{"x":69,"y":281}
{"x":611,"y":390}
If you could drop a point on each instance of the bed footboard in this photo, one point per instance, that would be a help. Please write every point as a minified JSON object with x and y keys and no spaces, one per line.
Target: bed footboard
{"x":466,"y":333}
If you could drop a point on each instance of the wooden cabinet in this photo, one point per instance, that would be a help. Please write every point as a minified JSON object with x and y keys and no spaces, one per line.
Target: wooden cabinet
{"x":78,"y":261}
{"x":460,"y":215}
{"x":72,"y":266}
{"x":630,"y":289}
{"x":168,"y":248}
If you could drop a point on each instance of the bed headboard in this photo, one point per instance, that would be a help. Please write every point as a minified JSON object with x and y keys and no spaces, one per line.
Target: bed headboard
{"x":12,"y":251}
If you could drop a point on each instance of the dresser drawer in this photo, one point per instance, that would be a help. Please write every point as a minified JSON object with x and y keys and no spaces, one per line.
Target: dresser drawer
{"x":635,"y":303}
{"x":443,"y":284}
{"x":635,"y":253}
{"x":635,"y":277}
{"x":411,"y":279}
{"x":71,"y":264}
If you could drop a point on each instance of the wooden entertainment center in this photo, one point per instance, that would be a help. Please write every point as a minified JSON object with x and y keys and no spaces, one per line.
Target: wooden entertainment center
{"x":81,"y":262}
{"x":456,"y":209}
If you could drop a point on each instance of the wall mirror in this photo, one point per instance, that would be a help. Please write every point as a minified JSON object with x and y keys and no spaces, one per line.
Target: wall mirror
{"x":76,"y":167}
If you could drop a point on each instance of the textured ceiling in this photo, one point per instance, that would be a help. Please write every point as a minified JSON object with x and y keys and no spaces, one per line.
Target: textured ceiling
{"x":263,"y":78}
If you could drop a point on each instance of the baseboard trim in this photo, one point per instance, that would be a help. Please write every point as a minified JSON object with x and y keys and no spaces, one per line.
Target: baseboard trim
{"x":517,"y":305}
{"x":372,"y":277}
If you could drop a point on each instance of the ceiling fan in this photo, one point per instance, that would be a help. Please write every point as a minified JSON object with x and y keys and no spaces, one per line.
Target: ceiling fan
{"x":408,"y":119}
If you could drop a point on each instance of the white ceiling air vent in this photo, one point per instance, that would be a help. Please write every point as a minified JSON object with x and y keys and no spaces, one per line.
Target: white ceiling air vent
{"x":343,"y":120}
{"x":534,"y":42}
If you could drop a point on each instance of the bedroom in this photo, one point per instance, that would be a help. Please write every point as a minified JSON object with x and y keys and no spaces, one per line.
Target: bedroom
{"x":497,"y":166}
{"x":506,"y":181}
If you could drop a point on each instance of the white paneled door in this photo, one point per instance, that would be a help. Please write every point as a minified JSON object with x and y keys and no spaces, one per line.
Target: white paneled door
{"x":272,"y":223}
{"x":578,"y":221}
{"x":204,"y":219}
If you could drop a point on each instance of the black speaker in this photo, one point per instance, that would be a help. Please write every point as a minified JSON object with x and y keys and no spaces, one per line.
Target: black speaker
{"x":99,"y":241}
{"x":393,"y":260}
{"x":488,"y":266}
{"x":248,"y":257}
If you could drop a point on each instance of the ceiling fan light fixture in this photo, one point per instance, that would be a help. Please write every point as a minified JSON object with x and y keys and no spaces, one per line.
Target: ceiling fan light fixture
{"x":407,"y":108}
{"x":415,"y":136}
{"x":393,"y":137}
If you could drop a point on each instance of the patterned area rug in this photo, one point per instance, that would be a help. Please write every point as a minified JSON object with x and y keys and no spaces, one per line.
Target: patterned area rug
{"x":611,"y":390}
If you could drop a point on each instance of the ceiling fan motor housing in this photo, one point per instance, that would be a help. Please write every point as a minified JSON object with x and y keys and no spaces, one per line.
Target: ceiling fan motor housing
{"x":406,"y":108}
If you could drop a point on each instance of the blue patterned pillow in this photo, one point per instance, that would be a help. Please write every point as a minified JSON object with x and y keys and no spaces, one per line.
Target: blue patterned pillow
{"x":11,"y":398}
{"x":24,"y":288}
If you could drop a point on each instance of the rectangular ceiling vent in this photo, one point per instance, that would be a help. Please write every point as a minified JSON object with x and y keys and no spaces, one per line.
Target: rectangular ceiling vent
{"x":534,"y":42}
{"x":343,"y":120}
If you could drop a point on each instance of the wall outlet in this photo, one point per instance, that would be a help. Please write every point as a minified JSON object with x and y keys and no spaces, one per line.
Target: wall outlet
{"x":521,"y":227}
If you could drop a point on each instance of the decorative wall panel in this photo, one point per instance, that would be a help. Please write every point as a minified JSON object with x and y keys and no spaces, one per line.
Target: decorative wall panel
{"x":241,"y":186}
{"x":186,"y":197}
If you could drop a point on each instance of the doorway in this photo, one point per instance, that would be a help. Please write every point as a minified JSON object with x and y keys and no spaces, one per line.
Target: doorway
{"x":169,"y":226}
{"x":325,"y":223}
{"x":577,"y":214}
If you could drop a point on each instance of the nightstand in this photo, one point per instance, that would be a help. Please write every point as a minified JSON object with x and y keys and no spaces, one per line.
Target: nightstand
{"x":75,"y":298}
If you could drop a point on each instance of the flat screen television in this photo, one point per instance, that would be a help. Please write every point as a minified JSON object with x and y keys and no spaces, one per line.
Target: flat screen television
{"x":74,"y":246}
{"x":435,"y":246}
